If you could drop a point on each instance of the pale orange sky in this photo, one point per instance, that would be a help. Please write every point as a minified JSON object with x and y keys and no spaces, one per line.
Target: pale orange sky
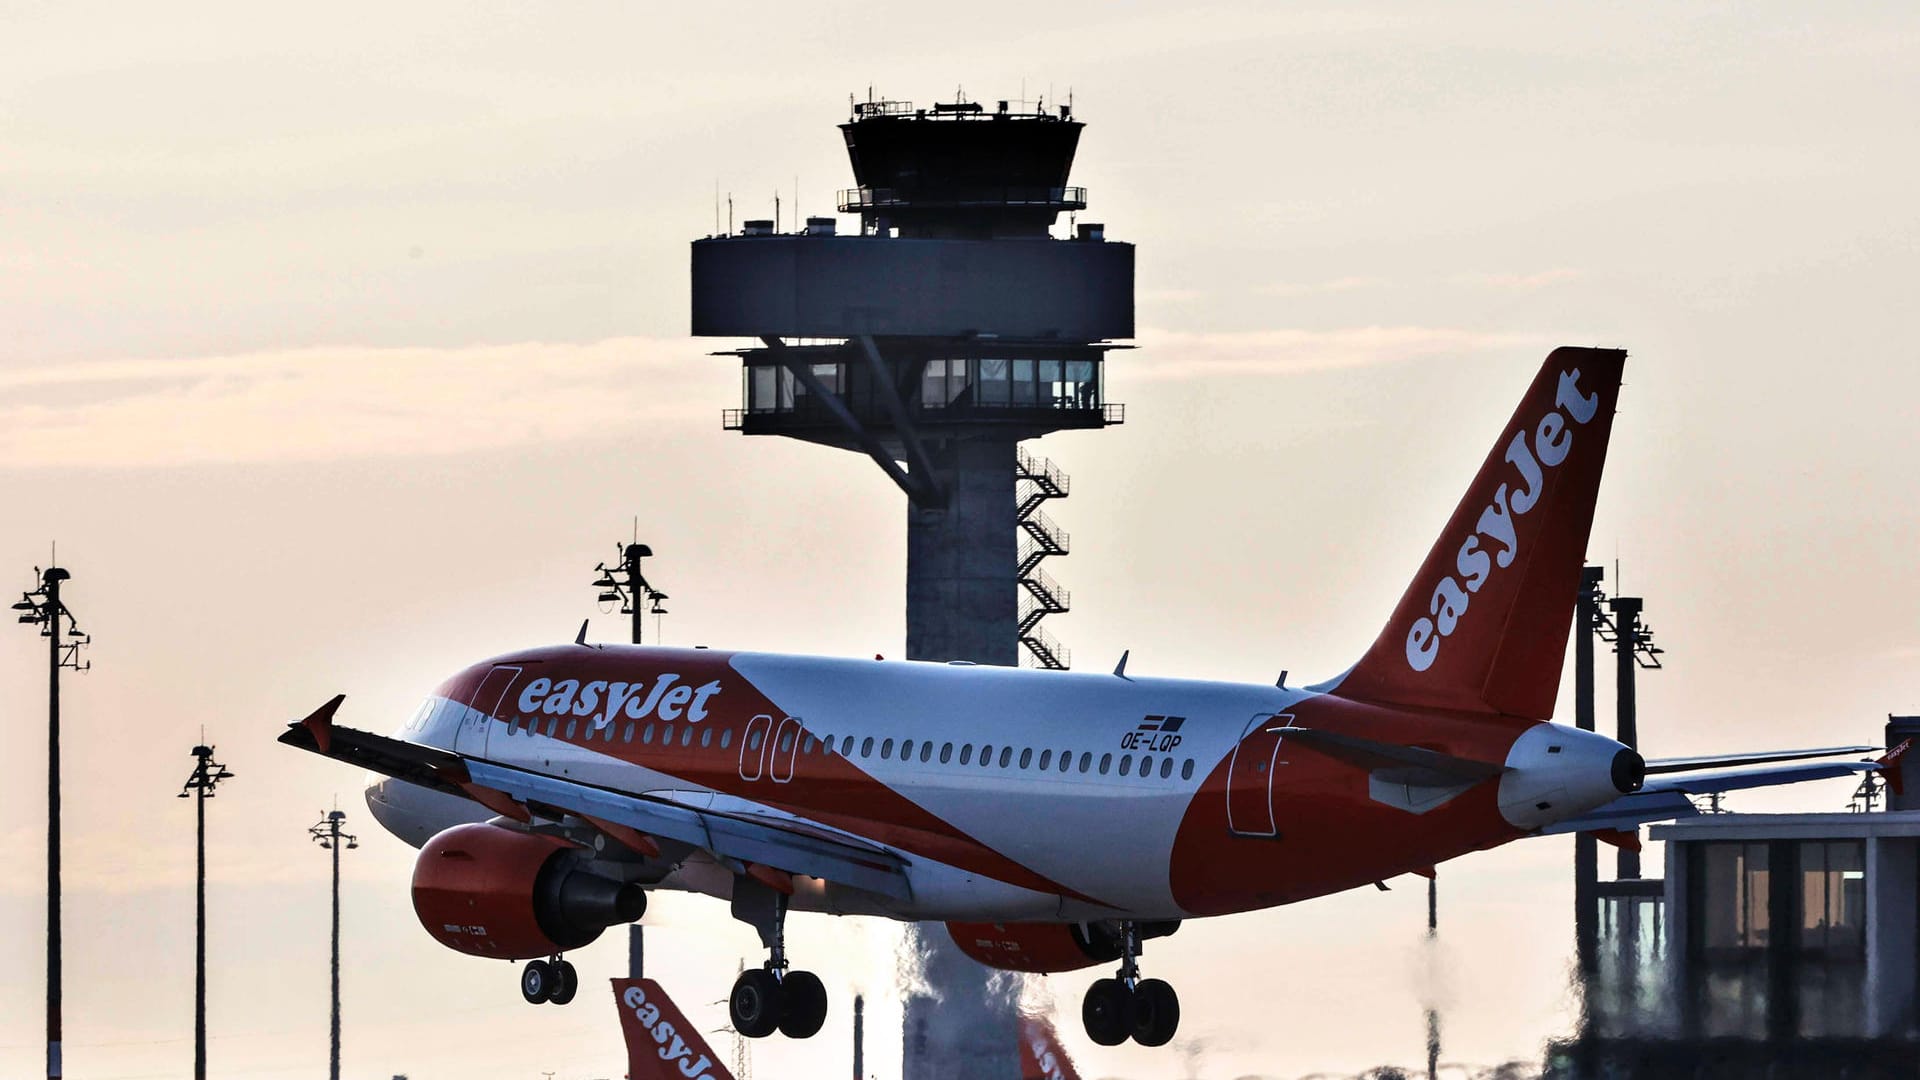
{"x":339,"y":345}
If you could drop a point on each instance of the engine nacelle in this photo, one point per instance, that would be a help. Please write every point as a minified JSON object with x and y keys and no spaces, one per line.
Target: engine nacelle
{"x":491,"y":891}
{"x":1043,"y":948}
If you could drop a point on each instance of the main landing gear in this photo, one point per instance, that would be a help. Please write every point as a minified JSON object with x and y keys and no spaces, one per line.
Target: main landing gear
{"x":772,"y":998}
{"x":1127,"y":1006}
{"x":548,"y":980}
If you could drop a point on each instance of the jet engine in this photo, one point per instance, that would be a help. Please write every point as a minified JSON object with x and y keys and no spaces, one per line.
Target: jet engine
{"x":492,"y":891}
{"x":1043,"y":948}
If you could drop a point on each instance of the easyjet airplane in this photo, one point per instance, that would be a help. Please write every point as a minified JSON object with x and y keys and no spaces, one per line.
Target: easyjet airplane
{"x":1053,"y":820}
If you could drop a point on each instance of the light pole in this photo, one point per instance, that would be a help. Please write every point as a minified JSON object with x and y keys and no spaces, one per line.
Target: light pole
{"x":44,"y":608}
{"x":625,"y":585}
{"x":207,"y":774}
{"x":328,"y":835}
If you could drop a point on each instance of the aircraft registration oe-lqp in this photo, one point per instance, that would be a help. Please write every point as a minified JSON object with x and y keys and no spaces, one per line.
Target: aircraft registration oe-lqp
{"x":1053,"y":820}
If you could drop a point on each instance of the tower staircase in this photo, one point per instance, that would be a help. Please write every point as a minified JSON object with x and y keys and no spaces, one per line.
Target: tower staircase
{"x":1039,"y":480}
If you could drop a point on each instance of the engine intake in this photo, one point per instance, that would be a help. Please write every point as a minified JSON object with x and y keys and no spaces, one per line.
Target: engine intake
{"x":491,"y":891}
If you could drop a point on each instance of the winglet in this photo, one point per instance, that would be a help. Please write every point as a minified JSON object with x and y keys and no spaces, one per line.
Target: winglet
{"x":1889,"y":763}
{"x":319,"y":723}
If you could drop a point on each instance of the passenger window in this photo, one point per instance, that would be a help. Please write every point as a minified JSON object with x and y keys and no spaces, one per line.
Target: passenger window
{"x":946,"y":753}
{"x":1186,"y":769}
{"x":1006,"y":755}
{"x":866,"y":748}
{"x":571,"y":725}
{"x":926,"y":750}
{"x":846,"y":746}
{"x":725,"y":738}
{"x":1026,"y":757}
{"x":966,"y":753}
{"x":1146,"y":767}
{"x":706,"y":737}
{"x":753,"y":741}
{"x":1106,"y":760}
{"x":552,"y":726}
{"x":646,"y":737}
{"x":666,"y":734}
{"x":1126,"y":762}
{"x":1166,"y":767}
{"x":1086,"y":762}
{"x":1046,"y":759}
{"x":986,"y":755}
{"x":627,"y":735}
{"x":807,"y":747}
{"x":906,"y":750}
{"x":886,"y":749}
{"x":1066,"y":760}
{"x":686,"y":736}
{"x":786,"y":741}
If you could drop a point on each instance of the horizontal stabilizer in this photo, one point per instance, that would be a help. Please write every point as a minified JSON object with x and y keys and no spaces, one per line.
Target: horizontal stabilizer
{"x":1721,"y":761}
{"x":1628,"y":812}
{"x":1742,"y":779}
{"x":1392,"y":761}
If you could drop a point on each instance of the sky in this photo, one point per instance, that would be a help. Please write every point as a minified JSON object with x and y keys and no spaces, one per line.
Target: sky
{"x":338,"y":344}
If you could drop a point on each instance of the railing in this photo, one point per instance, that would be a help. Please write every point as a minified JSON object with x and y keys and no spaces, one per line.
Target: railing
{"x":861,"y":199}
{"x":1043,"y":472}
{"x":1047,"y":651}
{"x":1113,"y":414}
{"x":1052,"y":596}
{"x":733,"y":419}
{"x":1047,"y":536}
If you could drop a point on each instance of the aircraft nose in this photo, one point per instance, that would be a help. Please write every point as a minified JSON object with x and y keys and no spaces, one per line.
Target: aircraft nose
{"x":1629,"y":771}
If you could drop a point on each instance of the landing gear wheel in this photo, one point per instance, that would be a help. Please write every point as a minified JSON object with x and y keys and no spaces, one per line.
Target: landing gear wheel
{"x":566,"y":982}
{"x":1156,"y":1013}
{"x":755,"y":1004}
{"x":537,"y":981}
{"x":804,"y":1005}
{"x":1108,"y":1012}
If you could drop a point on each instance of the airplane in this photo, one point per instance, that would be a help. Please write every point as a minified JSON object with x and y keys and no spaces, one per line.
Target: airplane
{"x":1053,"y":820}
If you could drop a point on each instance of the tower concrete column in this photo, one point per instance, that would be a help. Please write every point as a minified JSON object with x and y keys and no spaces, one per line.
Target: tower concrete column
{"x":962,"y":601}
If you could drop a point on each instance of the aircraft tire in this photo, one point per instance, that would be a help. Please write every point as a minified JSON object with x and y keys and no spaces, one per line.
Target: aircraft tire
{"x":566,"y":982}
{"x":1156,"y":1013}
{"x":536,"y":981}
{"x":756,"y":1003}
{"x":1107,"y":1012}
{"x":804,"y":1006}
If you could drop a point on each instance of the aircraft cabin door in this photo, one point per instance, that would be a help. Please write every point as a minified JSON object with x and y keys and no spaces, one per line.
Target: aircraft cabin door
{"x":753,"y":747}
{"x":1250,"y":777}
{"x":477,"y":720}
{"x":785,"y":745}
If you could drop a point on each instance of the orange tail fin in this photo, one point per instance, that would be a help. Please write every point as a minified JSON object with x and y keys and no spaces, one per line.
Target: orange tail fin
{"x":661,"y":1044}
{"x":1484,"y":625}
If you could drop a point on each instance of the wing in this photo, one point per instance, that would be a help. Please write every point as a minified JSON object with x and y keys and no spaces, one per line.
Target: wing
{"x":1664,"y":798}
{"x":738,"y":837}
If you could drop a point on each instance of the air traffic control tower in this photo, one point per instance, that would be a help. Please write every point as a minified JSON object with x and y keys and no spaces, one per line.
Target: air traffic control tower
{"x":951,"y":328}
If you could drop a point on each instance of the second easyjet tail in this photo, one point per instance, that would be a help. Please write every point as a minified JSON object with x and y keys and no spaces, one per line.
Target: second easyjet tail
{"x":1484,"y":625}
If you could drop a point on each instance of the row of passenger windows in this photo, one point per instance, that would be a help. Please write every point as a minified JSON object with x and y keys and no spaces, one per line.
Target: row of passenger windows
{"x":1048,"y":760}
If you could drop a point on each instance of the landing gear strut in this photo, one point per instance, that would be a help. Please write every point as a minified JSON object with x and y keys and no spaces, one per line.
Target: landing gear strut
{"x":1127,"y":1006}
{"x":771,"y":998}
{"x":548,"y":980}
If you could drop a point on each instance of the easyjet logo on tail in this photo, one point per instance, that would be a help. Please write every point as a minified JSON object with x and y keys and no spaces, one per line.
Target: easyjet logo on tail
{"x":675,"y":1048}
{"x":1495,"y":540}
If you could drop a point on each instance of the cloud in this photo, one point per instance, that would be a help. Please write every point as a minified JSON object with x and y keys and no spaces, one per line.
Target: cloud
{"x":329,"y":402}
{"x":1172,"y":354}
{"x":1539,"y":279}
{"x":1332,"y":285}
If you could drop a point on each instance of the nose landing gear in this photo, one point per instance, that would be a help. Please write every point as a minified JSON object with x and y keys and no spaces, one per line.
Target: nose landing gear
{"x":1127,"y":1006}
{"x":772,"y":998}
{"x":548,"y":980}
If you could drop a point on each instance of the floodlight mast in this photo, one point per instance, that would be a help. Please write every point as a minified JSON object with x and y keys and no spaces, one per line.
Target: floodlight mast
{"x":326,"y":832}
{"x":625,"y":585}
{"x":44,"y":608}
{"x":207,"y":774}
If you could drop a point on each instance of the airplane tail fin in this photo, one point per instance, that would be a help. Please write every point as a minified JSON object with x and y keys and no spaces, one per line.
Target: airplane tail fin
{"x":1484,"y":625}
{"x":1041,"y":1055}
{"x":661,"y":1044}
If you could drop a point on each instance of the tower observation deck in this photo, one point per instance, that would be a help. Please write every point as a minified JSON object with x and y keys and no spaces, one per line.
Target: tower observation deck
{"x":951,"y":327}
